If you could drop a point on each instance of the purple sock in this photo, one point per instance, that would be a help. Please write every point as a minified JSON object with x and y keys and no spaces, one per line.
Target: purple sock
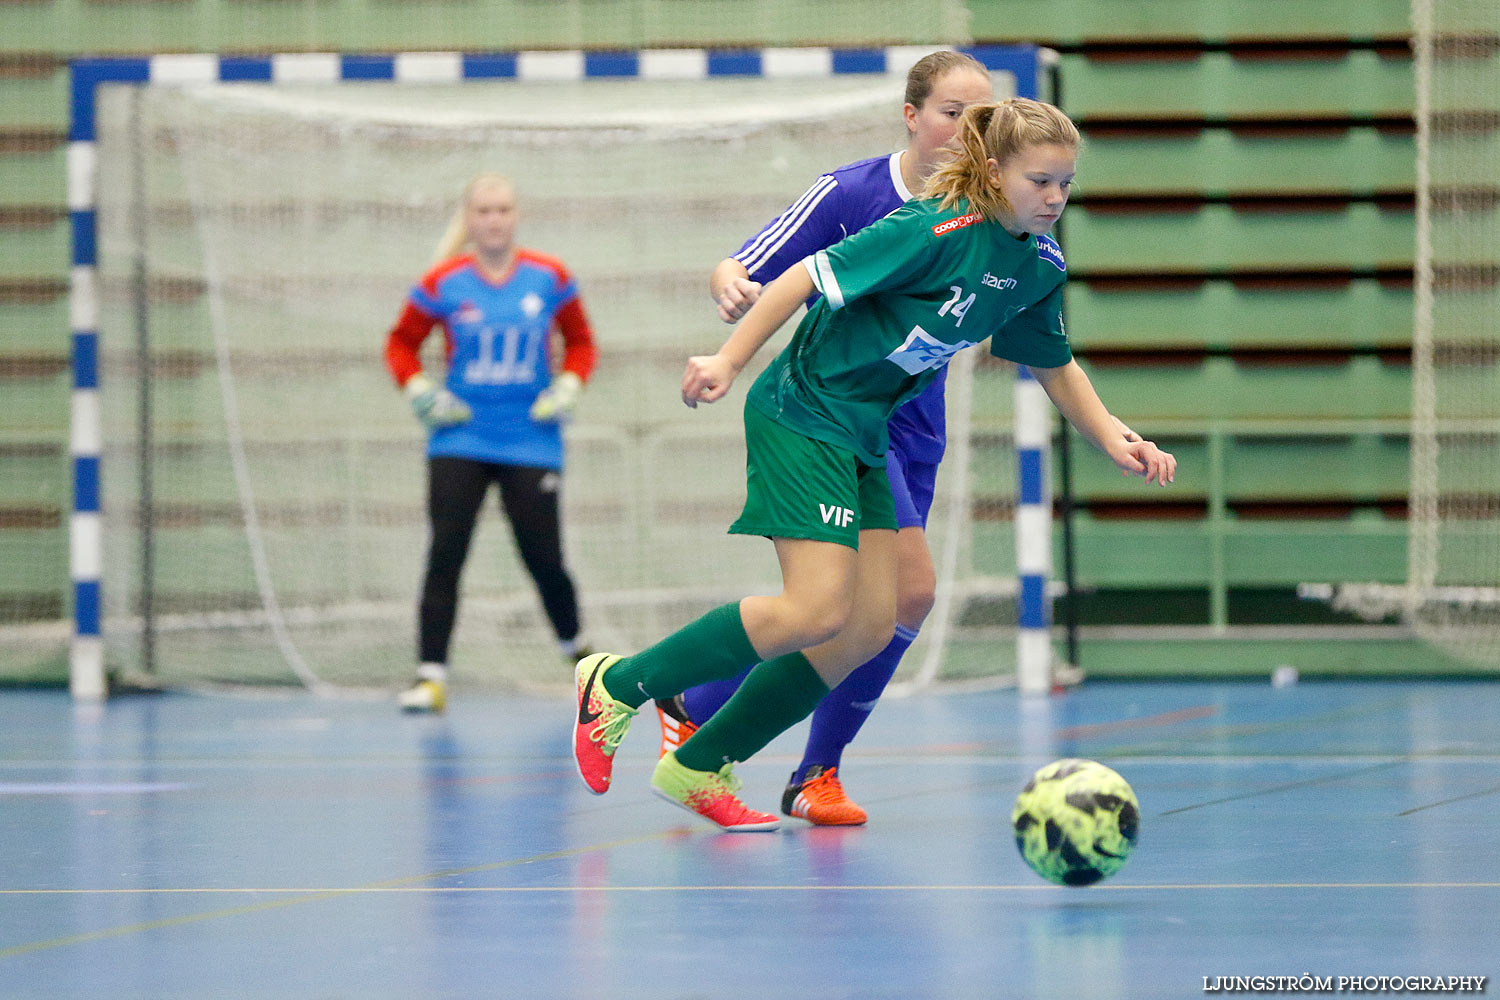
{"x":704,"y":700}
{"x":838,"y":717}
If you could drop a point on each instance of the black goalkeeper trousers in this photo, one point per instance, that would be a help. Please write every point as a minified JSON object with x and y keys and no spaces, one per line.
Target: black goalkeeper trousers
{"x":456,"y":488}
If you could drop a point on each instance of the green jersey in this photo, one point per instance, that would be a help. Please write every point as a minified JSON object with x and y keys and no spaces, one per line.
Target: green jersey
{"x":900,"y":298}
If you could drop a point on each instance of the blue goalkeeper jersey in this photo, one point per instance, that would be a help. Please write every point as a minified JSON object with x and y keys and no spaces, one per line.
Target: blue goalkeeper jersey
{"x":498,"y":361}
{"x":839,"y":204}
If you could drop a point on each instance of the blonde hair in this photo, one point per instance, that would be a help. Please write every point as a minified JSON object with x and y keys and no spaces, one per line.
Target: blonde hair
{"x":995,"y":132}
{"x":931,"y":68}
{"x":456,"y":236}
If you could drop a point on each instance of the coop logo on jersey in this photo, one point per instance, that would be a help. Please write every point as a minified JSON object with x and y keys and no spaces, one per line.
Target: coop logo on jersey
{"x":922,"y":351}
{"x":942,"y":228}
{"x":1050,"y":252}
{"x":468,"y":312}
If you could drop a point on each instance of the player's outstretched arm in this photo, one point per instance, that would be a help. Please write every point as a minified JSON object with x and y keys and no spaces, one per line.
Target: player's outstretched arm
{"x":1073,"y":394}
{"x":708,"y":377}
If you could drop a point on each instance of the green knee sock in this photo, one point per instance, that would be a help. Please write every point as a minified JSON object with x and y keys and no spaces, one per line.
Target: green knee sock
{"x":712,"y":648}
{"x":776,"y":696}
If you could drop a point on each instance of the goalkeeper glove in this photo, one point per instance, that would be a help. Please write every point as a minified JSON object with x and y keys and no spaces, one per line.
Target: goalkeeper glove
{"x":557,"y":401}
{"x":435,"y":406}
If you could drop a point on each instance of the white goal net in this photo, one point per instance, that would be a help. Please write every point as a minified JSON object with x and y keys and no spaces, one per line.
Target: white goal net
{"x":1453,"y":592}
{"x":264,"y":481}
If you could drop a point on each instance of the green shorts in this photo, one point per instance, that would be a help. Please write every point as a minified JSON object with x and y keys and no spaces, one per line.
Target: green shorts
{"x":797,"y":487}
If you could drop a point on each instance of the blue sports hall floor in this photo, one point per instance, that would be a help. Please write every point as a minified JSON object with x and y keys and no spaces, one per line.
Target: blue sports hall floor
{"x":195,"y":846}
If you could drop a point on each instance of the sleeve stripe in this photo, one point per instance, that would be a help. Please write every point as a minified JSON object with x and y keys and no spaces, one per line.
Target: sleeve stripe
{"x":811,"y":268}
{"x":778,"y":232}
{"x":822,"y":275}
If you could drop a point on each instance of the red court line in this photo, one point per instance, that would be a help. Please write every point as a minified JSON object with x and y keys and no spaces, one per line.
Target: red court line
{"x":1141,"y":722}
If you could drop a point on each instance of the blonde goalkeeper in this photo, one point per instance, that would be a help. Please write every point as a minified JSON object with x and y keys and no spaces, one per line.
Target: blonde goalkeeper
{"x":496,"y":417}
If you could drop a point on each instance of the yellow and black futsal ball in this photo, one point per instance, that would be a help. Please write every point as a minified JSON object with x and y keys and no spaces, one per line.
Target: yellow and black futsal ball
{"x":1076,"y":822}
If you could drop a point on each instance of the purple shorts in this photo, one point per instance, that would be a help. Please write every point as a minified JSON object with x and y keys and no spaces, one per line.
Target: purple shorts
{"x":912,"y":486}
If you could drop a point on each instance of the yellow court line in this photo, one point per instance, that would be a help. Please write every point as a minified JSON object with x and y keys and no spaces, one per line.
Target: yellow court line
{"x":300,"y":895}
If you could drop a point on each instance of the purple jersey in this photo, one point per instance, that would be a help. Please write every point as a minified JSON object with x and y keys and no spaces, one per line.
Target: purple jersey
{"x":840,"y":203}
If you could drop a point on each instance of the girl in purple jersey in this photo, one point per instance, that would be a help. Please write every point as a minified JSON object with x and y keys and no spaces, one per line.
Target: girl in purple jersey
{"x":938,"y":89}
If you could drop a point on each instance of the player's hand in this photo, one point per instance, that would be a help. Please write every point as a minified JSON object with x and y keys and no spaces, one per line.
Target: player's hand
{"x":556,"y":402}
{"x":1125,"y":432}
{"x":1145,"y":459}
{"x":737,"y":298}
{"x":434,"y":405}
{"x":707,"y":379}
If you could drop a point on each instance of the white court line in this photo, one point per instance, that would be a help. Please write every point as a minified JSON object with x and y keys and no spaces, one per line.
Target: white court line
{"x":312,"y":891}
{"x":90,"y":787}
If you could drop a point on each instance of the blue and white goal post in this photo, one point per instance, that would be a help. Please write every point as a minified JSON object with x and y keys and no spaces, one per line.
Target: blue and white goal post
{"x":88,"y":659}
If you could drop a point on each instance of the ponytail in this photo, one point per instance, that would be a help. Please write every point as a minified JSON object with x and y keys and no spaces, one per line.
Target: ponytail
{"x":965,"y":176}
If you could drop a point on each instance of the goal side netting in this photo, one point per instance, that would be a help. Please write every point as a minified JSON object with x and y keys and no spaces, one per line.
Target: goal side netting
{"x":263,"y":479}
{"x":1452,"y":597}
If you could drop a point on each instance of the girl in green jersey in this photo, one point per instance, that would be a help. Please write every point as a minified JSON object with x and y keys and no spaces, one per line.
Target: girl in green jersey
{"x":900,"y":297}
